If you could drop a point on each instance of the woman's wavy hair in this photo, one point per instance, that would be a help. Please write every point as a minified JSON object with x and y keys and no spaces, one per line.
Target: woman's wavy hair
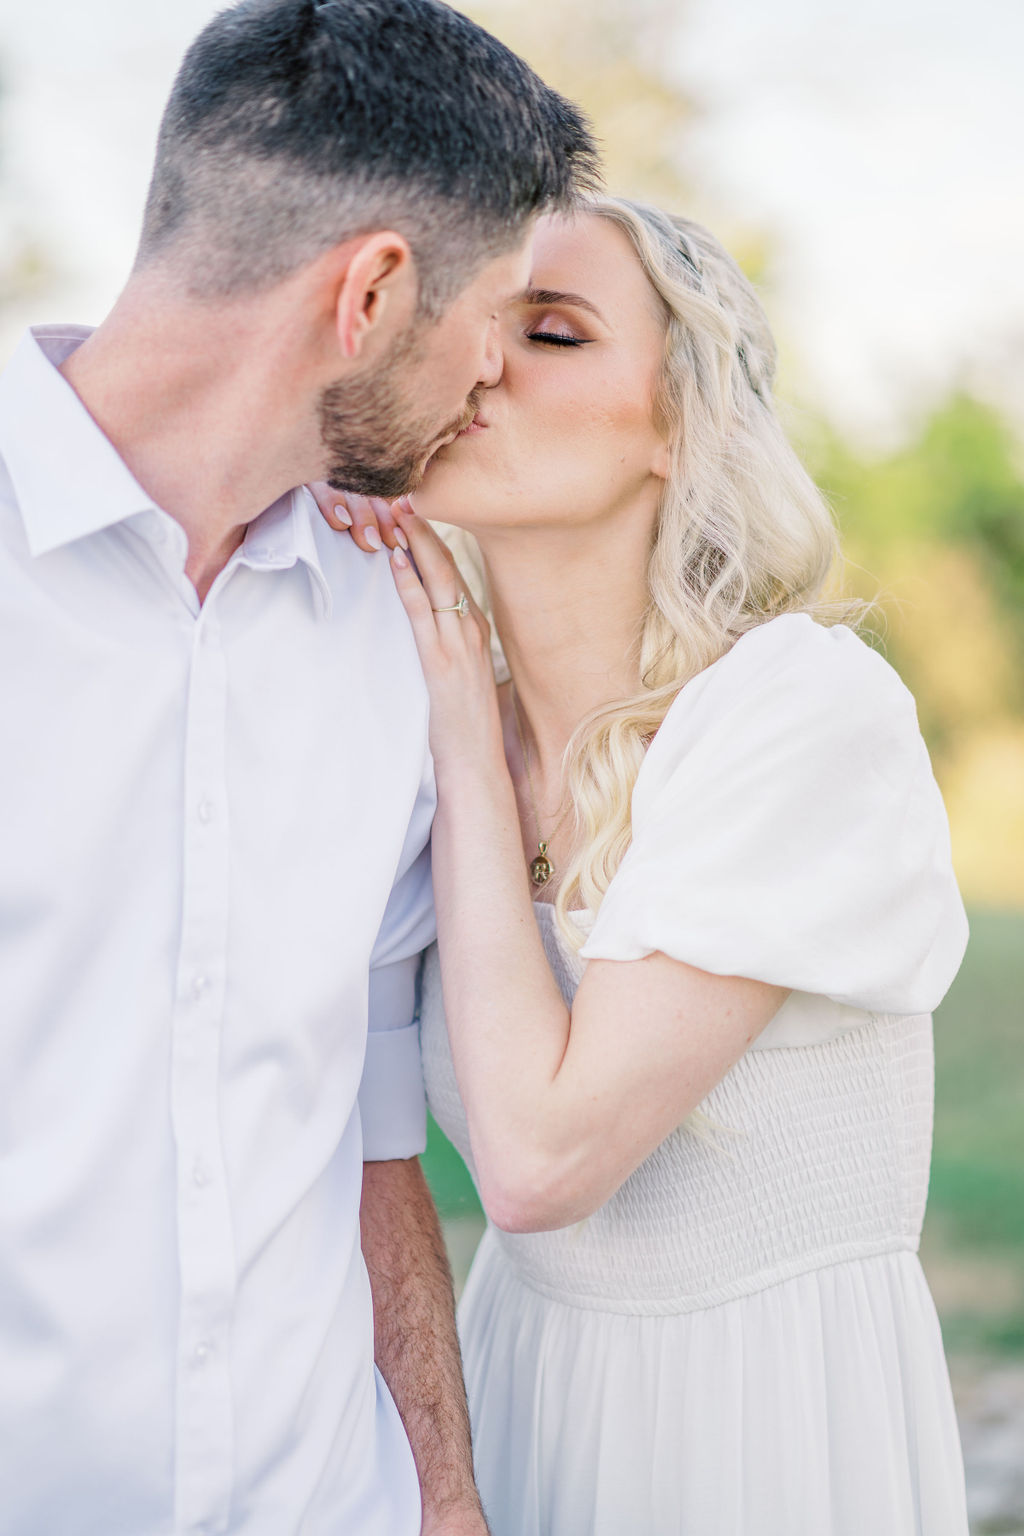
{"x":742,"y":536}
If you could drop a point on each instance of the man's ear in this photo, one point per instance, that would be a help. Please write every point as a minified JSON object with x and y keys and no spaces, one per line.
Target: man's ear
{"x":376,"y":289}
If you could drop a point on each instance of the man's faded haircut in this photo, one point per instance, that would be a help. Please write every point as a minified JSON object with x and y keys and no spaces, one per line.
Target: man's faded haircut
{"x":294,"y":125}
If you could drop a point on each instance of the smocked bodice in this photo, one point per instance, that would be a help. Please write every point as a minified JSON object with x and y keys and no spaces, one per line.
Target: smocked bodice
{"x":814,"y":1148}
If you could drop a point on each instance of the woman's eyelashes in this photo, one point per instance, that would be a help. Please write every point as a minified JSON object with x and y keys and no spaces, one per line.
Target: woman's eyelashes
{"x":557,"y":339}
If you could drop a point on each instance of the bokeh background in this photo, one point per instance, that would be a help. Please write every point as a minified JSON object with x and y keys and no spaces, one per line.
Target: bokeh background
{"x":863,"y":163}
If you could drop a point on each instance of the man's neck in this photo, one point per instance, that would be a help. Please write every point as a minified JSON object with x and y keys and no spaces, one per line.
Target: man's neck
{"x":196,"y":402}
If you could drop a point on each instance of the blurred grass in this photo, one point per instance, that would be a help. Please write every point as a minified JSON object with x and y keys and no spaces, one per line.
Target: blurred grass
{"x":976,"y":1197}
{"x":446,"y":1173}
{"x":975,"y":1222}
{"x":978,"y":1165}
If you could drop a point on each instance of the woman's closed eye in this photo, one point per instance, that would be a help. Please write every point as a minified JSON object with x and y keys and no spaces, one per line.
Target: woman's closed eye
{"x":558,"y":339}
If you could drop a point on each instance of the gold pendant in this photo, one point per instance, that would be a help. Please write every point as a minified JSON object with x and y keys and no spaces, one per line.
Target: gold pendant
{"x":541,"y":869}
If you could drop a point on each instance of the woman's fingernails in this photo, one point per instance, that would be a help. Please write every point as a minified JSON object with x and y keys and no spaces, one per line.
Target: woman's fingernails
{"x":406,"y":506}
{"x":372,"y":538}
{"x":341,"y":513}
{"x":401,"y":539}
{"x":397,"y":558}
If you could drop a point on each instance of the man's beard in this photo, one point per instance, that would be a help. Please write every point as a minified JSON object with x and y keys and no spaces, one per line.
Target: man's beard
{"x":375,"y":442}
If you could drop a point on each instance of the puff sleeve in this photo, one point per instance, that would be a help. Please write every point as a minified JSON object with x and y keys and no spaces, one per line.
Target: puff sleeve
{"x":787,"y":827}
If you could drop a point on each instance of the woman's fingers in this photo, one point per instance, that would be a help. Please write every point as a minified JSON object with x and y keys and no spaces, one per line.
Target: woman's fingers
{"x":369,"y":519}
{"x":416,"y":604}
{"x":454,"y":650}
{"x":331,"y":504}
{"x":434,"y":560}
{"x":373,"y":523}
{"x":391,"y":535}
{"x":431,"y":590}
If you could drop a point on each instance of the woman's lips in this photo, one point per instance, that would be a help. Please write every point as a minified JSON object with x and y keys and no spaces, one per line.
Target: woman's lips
{"x":476,"y":425}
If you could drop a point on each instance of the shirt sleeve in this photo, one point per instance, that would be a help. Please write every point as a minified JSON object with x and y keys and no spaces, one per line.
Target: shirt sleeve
{"x":787,"y":827}
{"x":392,"y":1099}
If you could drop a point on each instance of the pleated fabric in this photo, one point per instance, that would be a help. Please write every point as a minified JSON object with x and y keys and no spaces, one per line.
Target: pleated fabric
{"x":819,"y":1406}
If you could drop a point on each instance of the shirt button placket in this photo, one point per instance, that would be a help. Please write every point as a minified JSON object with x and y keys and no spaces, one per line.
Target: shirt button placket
{"x":204,"y":1428}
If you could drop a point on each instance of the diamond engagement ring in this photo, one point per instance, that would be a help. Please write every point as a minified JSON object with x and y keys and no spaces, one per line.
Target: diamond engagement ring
{"x":461,"y":607}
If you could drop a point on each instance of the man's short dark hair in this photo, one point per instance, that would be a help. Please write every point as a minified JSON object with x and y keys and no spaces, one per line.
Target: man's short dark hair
{"x":296,"y":124}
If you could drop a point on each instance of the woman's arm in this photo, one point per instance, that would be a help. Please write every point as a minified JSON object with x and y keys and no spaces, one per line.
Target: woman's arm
{"x":561,"y":1106}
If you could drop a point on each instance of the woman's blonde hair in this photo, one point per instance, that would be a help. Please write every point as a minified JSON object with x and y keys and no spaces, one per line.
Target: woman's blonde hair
{"x":742,"y":534}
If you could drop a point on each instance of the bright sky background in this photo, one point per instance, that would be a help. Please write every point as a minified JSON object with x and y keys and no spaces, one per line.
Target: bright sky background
{"x":881,"y":147}
{"x":878,"y":146}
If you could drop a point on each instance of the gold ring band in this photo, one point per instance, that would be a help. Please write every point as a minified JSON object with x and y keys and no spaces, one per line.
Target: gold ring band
{"x":461,"y":607}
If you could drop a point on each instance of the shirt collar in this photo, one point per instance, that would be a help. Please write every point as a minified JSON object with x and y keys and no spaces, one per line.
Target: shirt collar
{"x":284,"y":534}
{"x":67,"y":476}
{"x":70,"y":481}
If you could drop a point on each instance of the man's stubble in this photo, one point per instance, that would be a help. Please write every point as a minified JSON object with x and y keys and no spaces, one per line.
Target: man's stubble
{"x":376,"y":441}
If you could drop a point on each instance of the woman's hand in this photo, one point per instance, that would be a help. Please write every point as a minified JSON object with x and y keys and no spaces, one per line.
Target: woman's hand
{"x":369,"y":519}
{"x":453,"y":639}
{"x":454,"y":651}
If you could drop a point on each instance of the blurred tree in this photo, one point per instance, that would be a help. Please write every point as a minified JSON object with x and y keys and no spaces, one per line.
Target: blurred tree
{"x":936,"y":533}
{"x":25,"y":268}
{"x":611,"y":58}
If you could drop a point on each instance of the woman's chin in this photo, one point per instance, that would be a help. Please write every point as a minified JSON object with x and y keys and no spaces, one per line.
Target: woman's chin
{"x":443,"y":494}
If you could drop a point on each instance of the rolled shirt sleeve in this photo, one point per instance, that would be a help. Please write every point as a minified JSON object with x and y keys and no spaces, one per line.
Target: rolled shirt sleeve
{"x":392,"y":1098}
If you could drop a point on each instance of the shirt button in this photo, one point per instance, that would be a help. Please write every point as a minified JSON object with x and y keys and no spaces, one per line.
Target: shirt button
{"x":201,"y":1353}
{"x":200,"y":1174}
{"x":205,"y":810}
{"x":199,"y":986}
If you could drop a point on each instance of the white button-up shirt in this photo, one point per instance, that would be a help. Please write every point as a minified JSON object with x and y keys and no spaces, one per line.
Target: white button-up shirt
{"x":213,"y":825}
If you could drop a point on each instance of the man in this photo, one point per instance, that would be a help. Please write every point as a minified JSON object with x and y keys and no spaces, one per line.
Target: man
{"x":217,"y":794}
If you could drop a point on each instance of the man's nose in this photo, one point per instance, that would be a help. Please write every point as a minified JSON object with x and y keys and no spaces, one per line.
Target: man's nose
{"x":493,"y":363}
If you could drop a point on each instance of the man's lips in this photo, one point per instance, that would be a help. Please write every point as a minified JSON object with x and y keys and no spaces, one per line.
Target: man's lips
{"x":475,"y":424}
{"x":465,"y":425}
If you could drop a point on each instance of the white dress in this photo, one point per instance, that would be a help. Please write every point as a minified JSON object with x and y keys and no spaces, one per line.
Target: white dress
{"x":741,"y":1341}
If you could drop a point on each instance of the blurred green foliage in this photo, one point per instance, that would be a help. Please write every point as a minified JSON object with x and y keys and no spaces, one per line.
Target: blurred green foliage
{"x":976,"y":1198}
{"x":978,"y":1177}
{"x":935,"y":533}
{"x":958,"y":486}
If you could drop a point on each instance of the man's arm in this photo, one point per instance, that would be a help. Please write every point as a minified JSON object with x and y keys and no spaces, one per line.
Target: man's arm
{"x":415,"y":1344}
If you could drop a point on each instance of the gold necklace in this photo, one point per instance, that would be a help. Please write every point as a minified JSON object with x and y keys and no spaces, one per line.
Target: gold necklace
{"x":541,"y":867}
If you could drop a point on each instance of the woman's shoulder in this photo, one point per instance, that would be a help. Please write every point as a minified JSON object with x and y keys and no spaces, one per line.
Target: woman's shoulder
{"x":786,"y":826}
{"x":796,"y":650}
{"x":790,"y":674}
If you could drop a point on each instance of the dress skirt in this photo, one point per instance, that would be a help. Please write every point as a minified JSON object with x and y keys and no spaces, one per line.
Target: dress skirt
{"x":819,"y":1406}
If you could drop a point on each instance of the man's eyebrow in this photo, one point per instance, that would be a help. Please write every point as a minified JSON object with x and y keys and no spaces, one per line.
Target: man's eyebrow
{"x":543,"y":296}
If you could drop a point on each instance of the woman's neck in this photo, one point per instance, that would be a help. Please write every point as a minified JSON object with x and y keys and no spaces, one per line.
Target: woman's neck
{"x":568,"y":606}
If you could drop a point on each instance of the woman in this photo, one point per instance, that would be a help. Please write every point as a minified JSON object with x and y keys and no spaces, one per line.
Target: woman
{"x":693,"y":1080}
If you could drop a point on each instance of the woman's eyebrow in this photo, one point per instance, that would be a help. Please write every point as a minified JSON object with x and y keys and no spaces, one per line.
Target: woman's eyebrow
{"x":543,"y":296}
